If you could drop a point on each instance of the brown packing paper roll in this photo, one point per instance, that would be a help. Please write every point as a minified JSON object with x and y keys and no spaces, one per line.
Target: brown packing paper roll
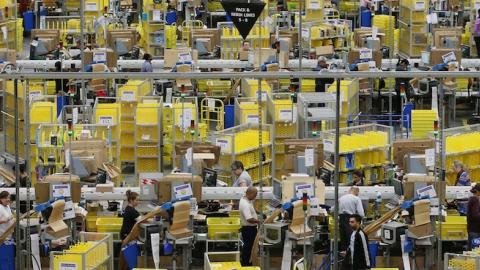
{"x":270,"y":219}
{"x":181,"y":218}
{"x":298,"y":220}
{"x":56,"y":226}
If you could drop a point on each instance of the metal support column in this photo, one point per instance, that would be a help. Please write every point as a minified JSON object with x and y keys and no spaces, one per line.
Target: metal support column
{"x":18,"y":264}
{"x":337,"y":177}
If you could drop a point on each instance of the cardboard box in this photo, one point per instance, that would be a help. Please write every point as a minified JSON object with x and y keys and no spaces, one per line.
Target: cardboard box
{"x":363,"y":66}
{"x":354,"y":55}
{"x":206,"y":40}
{"x":166,"y":182}
{"x":243,"y":55}
{"x":171,"y":56}
{"x":436,"y":55}
{"x":324,"y":50}
{"x":89,"y":148}
{"x":360,"y":36}
{"x":8,"y":55}
{"x":181,"y":149}
{"x":111,"y":56}
{"x":51,"y":34}
{"x":402,"y":147}
{"x":295,"y":146}
{"x":439,"y":35}
{"x":127,"y":36}
{"x":42,"y":189}
{"x":184,"y":82}
{"x":283,"y":59}
{"x":291,"y":34}
{"x":260,"y":57}
{"x":414,"y":182}
{"x":420,"y":231}
{"x":421,"y":210}
{"x":212,"y":33}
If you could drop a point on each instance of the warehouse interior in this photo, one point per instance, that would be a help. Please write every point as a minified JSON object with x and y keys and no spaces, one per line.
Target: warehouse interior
{"x":240,"y":134}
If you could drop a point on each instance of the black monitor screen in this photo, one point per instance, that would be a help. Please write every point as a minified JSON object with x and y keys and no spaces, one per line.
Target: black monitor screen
{"x":209,"y":177}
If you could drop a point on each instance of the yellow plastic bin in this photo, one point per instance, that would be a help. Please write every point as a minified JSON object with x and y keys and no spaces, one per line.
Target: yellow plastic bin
{"x":110,"y":225}
{"x":223,"y":228}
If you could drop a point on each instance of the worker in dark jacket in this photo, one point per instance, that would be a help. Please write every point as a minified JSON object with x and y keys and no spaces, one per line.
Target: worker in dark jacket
{"x":473,"y":215}
{"x":358,"y":257}
{"x":321,"y":83}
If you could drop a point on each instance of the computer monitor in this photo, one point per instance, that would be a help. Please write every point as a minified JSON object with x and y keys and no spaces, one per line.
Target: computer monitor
{"x":209,"y":177}
{"x":277,"y":189}
{"x":120,"y":47}
{"x":398,"y":187}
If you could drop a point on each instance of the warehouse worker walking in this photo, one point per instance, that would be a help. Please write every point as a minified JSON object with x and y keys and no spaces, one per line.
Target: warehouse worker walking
{"x":249,"y":221}
{"x":348,"y":205}
{"x":473,"y":215}
{"x":243,"y":178}
{"x":358,"y":257}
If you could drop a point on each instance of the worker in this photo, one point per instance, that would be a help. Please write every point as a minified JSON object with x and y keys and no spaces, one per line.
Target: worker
{"x":6,"y":216}
{"x":358,"y":178}
{"x":473,"y":215}
{"x":243,"y":178}
{"x":476,"y":32}
{"x":130,"y":214}
{"x":348,"y":205}
{"x":401,"y":84}
{"x":321,"y":83}
{"x":358,"y":256}
{"x":365,"y":5}
{"x":249,"y":221}
{"x":147,"y":64}
{"x":246,"y":46}
{"x":462,"y":176}
{"x":23,"y":175}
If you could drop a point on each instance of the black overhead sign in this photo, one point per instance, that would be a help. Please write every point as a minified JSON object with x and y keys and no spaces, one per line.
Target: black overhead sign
{"x":243,"y":14}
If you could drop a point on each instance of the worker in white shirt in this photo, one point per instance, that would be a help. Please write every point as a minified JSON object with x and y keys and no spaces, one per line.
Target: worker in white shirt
{"x":6,"y":216}
{"x":348,"y":205}
{"x":243,"y":178}
{"x":249,"y":221}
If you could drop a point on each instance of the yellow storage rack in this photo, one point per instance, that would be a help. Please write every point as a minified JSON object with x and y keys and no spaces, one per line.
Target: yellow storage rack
{"x":423,"y":122}
{"x":282,"y":114}
{"x":246,"y":111}
{"x":158,"y":35}
{"x":177,"y":118}
{"x":41,"y":110}
{"x":93,"y":251}
{"x":250,"y":88}
{"x":107,"y":117}
{"x":413,"y":27}
{"x":331,"y":32}
{"x":242,"y":143}
{"x":364,"y":147}
{"x":148,"y":137}
{"x":50,"y":140}
{"x":231,"y":41}
{"x":462,"y":144}
{"x":349,"y":95}
{"x":129,"y":95}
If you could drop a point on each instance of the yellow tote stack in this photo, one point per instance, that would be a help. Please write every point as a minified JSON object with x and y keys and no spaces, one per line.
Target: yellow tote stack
{"x":386,"y":23}
{"x":423,"y":122}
